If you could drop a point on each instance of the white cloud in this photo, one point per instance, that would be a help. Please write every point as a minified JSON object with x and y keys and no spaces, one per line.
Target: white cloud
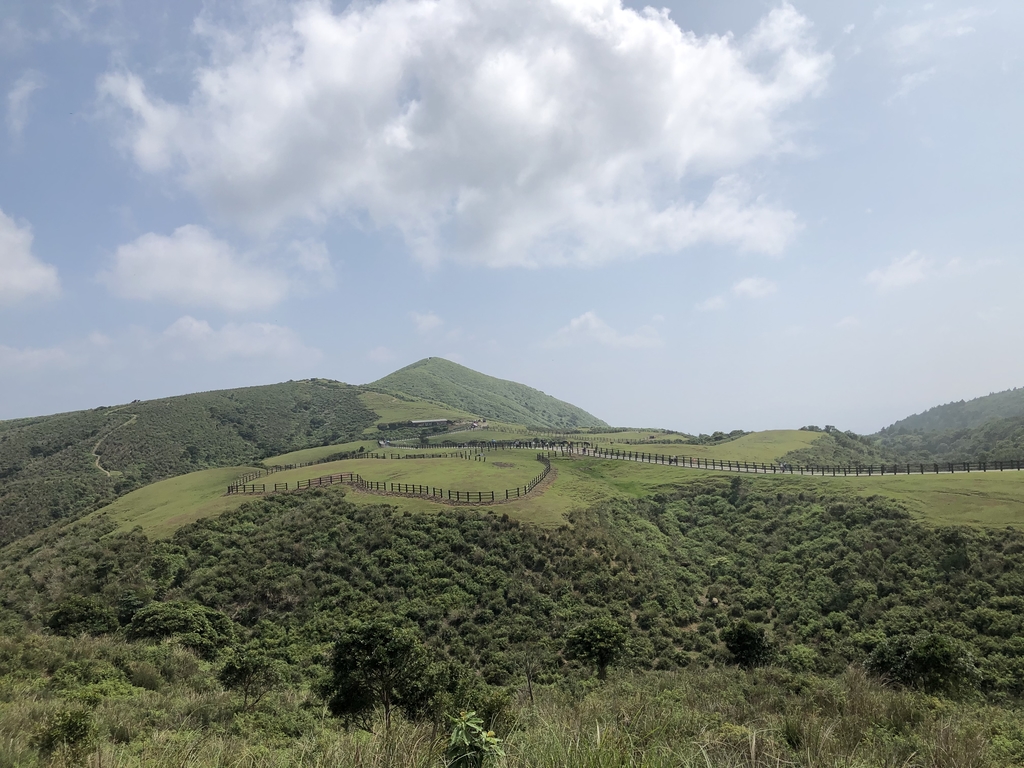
{"x":850,"y":321}
{"x":18,"y":101}
{"x":189,"y":338}
{"x":711,"y":305}
{"x":912,"y":81}
{"x":192,"y":267}
{"x":312,"y":256}
{"x":921,"y":38}
{"x":901,"y":272}
{"x":590,"y":327}
{"x":502,"y":133}
{"x":14,"y":360}
{"x":755,"y":287}
{"x":381,"y":355}
{"x":22,"y":275}
{"x":426,"y":322}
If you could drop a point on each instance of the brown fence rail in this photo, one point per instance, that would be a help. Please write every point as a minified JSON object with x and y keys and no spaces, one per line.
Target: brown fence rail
{"x":403,"y":489}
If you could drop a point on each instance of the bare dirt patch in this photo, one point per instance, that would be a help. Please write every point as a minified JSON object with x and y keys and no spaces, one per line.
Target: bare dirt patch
{"x":502,"y":464}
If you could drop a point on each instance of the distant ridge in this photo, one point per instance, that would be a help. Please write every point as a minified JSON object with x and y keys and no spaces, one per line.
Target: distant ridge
{"x":456,"y":386}
{"x":967,"y":414}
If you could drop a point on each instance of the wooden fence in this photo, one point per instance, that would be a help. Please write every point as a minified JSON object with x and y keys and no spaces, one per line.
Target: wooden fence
{"x":402,"y":489}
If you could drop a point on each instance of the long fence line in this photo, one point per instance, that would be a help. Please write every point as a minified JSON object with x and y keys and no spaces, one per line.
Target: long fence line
{"x":850,"y":470}
{"x":273,"y":469}
{"x":401,"y":489}
{"x":751,"y":467}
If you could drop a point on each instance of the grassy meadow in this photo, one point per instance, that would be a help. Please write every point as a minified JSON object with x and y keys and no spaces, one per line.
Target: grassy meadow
{"x":392,"y":409}
{"x":982,"y":499}
{"x":161,"y":508}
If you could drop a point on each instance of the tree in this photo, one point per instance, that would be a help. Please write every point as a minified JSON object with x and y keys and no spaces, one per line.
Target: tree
{"x":251,"y":671}
{"x":381,"y":663}
{"x":600,"y":642}
{"x":77,"y":615}
{"x":932,"y":662}
{"x":193,"y":625}
{"x":748,"y":644}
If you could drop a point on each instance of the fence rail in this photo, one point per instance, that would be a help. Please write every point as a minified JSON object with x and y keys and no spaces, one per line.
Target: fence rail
{"x":403,"y":489}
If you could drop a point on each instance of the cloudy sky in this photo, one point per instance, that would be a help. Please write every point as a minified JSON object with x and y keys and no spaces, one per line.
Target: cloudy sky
{"x":703,"y":216}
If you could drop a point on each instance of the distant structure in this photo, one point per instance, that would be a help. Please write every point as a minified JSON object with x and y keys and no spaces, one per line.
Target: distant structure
{"x":430,"y":422}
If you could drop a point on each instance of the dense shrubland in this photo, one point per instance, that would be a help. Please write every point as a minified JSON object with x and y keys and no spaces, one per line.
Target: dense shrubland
{"x":739,"y":610}
{"x":48,"y":471}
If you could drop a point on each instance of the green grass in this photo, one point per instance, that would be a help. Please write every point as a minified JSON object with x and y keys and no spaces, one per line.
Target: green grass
{"x":162,"y":508}
{"x":756,"y":447}
{"x":451,"y":473}
{"x":391,"y":409}
{"x":462,"y":389}
{"x":977,"y":499}
{"x":320,"y":452}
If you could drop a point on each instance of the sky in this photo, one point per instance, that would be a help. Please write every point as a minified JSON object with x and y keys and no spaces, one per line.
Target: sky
{"x":701,"y":216}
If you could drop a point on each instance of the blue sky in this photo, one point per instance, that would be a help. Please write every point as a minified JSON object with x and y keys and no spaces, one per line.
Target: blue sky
{"x":710,"y":216}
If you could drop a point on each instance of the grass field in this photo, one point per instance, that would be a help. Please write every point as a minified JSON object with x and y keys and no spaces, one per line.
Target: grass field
{"x":162,"y":508}
{"x":506,"y":469}
{"x":977,"y":499}
{"x":320,"y":452}
{"x":756,"y":447}
{"x":390,"y":409}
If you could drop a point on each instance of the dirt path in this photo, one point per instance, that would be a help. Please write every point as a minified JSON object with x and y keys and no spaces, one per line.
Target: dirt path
{"x":96,"y":447}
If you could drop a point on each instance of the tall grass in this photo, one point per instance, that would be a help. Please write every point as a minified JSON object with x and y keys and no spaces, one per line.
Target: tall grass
{"x":695,"y":717}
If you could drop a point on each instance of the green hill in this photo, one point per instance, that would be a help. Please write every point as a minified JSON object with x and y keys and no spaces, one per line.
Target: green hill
{"x":989,"y":428}
{"x":458,"y":387}
{"x":963,"y":414}
{"x":62,"y":466}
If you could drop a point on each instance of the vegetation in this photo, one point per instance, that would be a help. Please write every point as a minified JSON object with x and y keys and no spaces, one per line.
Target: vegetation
{"x":298,"y":602}
{"x":963,"y":414}
{"x":657,"y":615}
{"x":462,"y":389}
{"x":63,"y":466}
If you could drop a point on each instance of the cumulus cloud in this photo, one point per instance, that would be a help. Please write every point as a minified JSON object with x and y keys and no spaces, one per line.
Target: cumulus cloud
{"x":711,"y":305}
{"x":553,"y":132}
{"x":15,"y":360}
{"x":426,"y":322}
{"x":192,"y":267}
{"x":920,"y":38}
{"x":22,"y":275}
{"x":381,"y":355}
{"x":912,"y":81}
{"x":18,"y":101}
{"x":901,"y":272}
{"x":588,"y":327}
{"x":189,"y":338}
{"x":755,"y":287}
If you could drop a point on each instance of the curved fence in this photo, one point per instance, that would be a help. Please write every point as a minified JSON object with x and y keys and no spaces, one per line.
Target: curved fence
{"x":400,"y":489}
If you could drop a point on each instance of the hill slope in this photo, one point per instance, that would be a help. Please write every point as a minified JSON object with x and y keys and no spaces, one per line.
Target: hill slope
{"x":456,"y":386}
{"x":963,"y":414}
{"x":61,"y":466}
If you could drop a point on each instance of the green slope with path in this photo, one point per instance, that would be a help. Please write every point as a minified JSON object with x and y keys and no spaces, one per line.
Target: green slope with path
{"x":455,"y":386}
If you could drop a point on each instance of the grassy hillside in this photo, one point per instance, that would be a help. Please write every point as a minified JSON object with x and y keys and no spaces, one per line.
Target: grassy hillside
{"x":829,"y":579}
{"x":462,"y":389}
{"x":61,"y":466}
{"x":963,"y":414}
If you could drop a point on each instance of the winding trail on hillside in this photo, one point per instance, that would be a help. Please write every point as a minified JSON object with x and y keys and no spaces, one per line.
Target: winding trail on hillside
{"x":96,"y":447}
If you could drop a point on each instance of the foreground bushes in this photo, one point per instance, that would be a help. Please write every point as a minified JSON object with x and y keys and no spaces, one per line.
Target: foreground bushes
{"x":51,"y":714}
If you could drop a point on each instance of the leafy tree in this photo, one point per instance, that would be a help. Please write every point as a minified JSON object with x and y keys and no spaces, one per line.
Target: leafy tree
{"x":252,"y":672}
{"x":381,"y":663}
{"x":600,"y":642}
{"x":933,"y":662}
{"x":748,"y":644}
{"x":77,"y":615}
{"x":203,"y":629}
